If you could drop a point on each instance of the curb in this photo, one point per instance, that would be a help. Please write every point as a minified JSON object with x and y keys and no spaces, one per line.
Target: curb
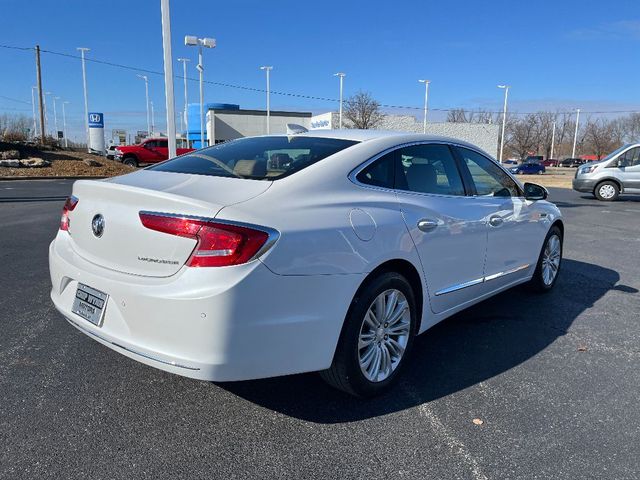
{"x":51,"y":177}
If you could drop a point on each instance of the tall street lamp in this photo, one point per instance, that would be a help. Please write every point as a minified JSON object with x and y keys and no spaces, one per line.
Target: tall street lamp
{"x":553,"y":139}
{"x":268,"y":69}
{"x":185,"y":113}
{"x":193,"y":41}
{"x":55,"y":117}
{"x":83,"y":50}
{"x":341,"y":76}
{"x":153,"y":119}
{"x":426,"y":103}
{"x":504,"y":117}
{"x":64,"y":124}
{"x":146,"y":96}
{"x":46,"y":110}
{"x":168,"y":77}
{"x":33,"y":105}
{"x":575,"y":134}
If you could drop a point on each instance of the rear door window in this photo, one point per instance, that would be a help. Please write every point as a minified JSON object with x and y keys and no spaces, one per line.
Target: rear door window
{"x":428,"y":168}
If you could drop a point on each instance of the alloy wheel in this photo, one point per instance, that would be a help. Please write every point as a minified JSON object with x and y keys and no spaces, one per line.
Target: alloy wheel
{"x":384,"y":335}
{"x":551,"y":260}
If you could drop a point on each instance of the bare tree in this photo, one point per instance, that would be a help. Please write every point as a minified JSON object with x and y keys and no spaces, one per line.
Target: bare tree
{"x":602,"y":136}
{"x":457,"y":115}
{"x":522,"y":137}
{"x":14,"y":127}
{"x":363,"y":111}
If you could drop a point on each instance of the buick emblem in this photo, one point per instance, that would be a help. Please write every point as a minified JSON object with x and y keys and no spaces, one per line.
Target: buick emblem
{"x":97,"y":225}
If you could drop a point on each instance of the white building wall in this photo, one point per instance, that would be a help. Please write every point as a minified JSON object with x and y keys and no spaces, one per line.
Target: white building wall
{"x":225,"y":125}
{"x":483,"y":135}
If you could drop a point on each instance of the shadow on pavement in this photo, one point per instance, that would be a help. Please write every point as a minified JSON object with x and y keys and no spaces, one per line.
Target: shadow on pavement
{"x":470,"y":347}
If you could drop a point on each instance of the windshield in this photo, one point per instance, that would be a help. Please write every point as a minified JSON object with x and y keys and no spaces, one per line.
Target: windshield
{"x":615,"y":152}
{"x":258,"y":158}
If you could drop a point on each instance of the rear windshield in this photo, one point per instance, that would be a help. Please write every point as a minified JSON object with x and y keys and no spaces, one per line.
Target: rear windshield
{"x":259,"y":158}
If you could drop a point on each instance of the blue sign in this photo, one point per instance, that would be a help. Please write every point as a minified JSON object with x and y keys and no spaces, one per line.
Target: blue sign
{"x":96,"y":120}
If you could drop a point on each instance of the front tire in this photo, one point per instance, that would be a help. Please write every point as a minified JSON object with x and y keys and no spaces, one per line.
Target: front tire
{"x":376,"y":337}
{"x":549,"y":261}
{"x":607,"y":191}
{"x":131,"y":161}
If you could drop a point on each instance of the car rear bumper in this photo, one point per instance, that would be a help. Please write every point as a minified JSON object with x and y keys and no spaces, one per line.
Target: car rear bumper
{"x":219,"y":324}
{"x":585,"y":185}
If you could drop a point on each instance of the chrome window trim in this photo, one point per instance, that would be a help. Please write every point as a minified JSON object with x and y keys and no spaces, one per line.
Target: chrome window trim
{"x":272,"y":233}
{"x":477,"y":281}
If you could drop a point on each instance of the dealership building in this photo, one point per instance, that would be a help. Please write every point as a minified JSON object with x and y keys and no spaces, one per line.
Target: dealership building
{"x":228,"y":121}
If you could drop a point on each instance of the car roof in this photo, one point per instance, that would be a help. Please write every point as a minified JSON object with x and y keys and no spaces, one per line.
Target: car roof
{"x":391,"y":135}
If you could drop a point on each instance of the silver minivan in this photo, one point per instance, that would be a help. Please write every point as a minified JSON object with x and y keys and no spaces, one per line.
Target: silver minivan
{"x":618,"y":172}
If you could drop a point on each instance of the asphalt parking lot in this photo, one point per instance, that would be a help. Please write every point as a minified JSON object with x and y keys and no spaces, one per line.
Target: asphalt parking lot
{"x":554,"y":378}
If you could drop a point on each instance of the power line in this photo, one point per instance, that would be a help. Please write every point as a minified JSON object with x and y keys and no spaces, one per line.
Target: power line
{"x":291,"y":94}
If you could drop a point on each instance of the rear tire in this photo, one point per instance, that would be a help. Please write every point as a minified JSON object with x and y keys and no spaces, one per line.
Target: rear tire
{"x":607,"y":191}
{"x":549,"y":262}
{"x":379,"y":329}
{"x":131,"y":161}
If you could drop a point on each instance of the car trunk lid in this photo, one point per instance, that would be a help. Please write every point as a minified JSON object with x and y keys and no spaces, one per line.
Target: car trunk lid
{"x":125,"y":245}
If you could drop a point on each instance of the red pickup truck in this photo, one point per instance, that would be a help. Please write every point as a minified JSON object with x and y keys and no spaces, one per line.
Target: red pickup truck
{"x":151,"y":150}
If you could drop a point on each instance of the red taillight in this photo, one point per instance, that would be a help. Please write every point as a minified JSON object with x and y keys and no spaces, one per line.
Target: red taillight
{"x":69,"y":205}
{"x":218,"y":244}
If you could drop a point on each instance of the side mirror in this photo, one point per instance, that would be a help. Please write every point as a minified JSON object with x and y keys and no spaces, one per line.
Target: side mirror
{"x":533,"y":191}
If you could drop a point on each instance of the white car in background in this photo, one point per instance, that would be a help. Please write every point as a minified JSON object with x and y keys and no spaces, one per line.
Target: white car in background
{"x":325,"y":251}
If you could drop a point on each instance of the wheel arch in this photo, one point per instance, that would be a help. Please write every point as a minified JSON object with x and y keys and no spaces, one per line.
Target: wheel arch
{"x":609,"y":179}
{"x":407,"y":270}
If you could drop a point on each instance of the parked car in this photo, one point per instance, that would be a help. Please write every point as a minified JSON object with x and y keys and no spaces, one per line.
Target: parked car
{"x":111,"y":152}
{"x":214,"y":266}
{"x":528,"y":168}
{"x":572,"y":162}
{"x":550,"y":162}
{"x":151,"y":150}
{"x":618,"y":172}
{"x":533,"y":159}
{"x":510,"y":162}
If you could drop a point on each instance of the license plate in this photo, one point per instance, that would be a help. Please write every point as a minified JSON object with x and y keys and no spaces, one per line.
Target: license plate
{"x":89,"y":303}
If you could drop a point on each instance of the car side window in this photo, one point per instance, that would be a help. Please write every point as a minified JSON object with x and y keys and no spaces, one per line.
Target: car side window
{"x":151,"y":144}
{"x":488,"y":178}
{"x":630,"y":158}
{"x":379,"y":173}
{"x":163,"y":144}
{"x":428,"y":168}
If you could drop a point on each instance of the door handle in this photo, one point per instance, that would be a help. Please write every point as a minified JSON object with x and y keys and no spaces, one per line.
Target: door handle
{"x":427,"y":225}
{"x":496,"y":221}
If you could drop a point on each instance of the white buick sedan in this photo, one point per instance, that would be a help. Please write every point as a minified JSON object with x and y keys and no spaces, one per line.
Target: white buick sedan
{"x":325,"y":251}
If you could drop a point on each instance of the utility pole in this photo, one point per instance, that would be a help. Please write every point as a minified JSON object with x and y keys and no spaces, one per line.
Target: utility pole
{"x":185,"y":113}
{"x":40,"y":100}
{"x":168,"y":77}
{"x":153,"y":119}
{"x":341,"y":75}
{"x":34,"y":133}
{"x":553,"y":138}
{"x":426,"y":104}
{"x":268,"y":69}
{"x":83,"y":50}
{"x":64,"y":125}
{"x":504,"y":117}
{"x":575,"y":134}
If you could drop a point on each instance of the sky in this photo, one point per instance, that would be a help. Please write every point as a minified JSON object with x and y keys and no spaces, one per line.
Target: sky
{"x":555,"y":55}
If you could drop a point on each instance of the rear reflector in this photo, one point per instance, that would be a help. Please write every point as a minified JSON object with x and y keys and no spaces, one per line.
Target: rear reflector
{"x":219,"y":244}
{"x":69,"y":205}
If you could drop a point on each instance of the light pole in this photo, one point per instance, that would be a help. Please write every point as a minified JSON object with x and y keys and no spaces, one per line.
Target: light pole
{"x":575,"y":134}
{"x":153,"y":119}
{"x":193,"y":41}
{"x":504,"y":118}
{"x":33,"y":105}
{"x":426,"y":103}
{"x":46,"y":111}
{"x":553,"y":138}
{"x":55,"y":118}
{"x":341,"y":76}
{"x":64,"y":125}
{"x":83,"y":50}
{"x":268,"y":69}
{"x":168,"y":77}
{"x":146,"y":96}
{"x":185,"y":113}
